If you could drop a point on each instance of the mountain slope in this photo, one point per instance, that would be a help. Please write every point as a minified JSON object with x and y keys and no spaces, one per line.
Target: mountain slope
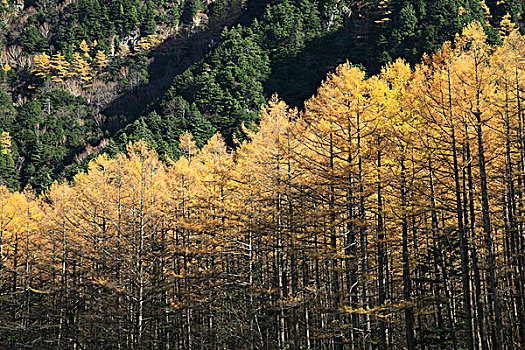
{"x":132,"y":69}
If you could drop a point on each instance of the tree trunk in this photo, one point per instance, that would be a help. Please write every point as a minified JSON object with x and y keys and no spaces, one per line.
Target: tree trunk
{"x":407,"y":283}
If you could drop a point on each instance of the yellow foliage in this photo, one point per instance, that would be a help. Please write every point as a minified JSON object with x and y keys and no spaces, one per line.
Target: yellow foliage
{"x":82,"y":66}
{"x":42,"y":65}
{"x":145,"y":44}
{"x":5,"y":142}
{"x":101,"y":60}
{"x":313,"y":194}
{"x":82,"y":69}
{"x":506,"y":26}
{"x":61,"y":68}
{"x":84,"y":47}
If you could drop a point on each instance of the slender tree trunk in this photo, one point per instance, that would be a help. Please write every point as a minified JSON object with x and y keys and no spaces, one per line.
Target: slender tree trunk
{"x":485,"y":208}
{"x":461,"y":229}
{"x":292,"y":233}
{"x":351,"y":241}
{"x":364,"y":244}
{"x":280,"y":259}
{"x":139,"y":261}
{"x":407,"y":283}
{"x":514,"y":233}
{"x":520,"y":233}
{"x":381,"y":259}
{"x":438,"y":238}
{"x":338,"y":341}
{"x":474,"y":252}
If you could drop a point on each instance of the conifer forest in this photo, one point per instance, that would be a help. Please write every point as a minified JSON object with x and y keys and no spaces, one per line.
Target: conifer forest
{"x":262,"y":174}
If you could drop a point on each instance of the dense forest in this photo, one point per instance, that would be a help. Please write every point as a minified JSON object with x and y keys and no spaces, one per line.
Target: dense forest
{"x":232,"y":174}
{"x":81,"y":77}
{"x":387,"y":215}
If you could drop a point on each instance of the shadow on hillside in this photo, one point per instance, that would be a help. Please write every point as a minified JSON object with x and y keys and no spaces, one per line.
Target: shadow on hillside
{"x":171,"y":58}
{"x":296,"y":78}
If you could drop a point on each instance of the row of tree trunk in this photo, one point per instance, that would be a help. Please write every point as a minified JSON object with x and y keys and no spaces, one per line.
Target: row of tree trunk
{"x":388,"y":215}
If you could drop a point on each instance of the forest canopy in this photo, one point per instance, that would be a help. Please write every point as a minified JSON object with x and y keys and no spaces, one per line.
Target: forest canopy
{"x":386,"y":214}
{"x":88,"y":76}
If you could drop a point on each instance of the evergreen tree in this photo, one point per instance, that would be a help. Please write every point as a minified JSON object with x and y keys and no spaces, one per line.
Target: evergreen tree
{"x":32,"y":41}
{"x":190,"y":9}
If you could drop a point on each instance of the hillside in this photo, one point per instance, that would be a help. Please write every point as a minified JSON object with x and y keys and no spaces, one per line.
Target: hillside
{"x":81,"y":77}
{"x":265,"y":174}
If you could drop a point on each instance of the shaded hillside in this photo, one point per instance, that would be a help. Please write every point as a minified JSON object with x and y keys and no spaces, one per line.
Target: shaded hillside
{"x":153,"y":70}
{"x":303,"y":41}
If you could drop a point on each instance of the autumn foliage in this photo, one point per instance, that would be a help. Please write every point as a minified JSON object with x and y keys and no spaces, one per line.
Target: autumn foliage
{"x":389,"y":214}
{"x":81,"y":66}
